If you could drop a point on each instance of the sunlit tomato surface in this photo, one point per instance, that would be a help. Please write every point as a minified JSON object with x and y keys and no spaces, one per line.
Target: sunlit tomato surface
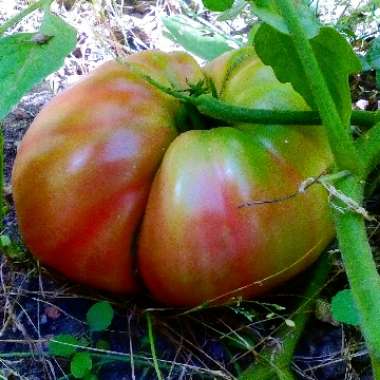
{"x":105,"y":185}
{"x":199,"y":242}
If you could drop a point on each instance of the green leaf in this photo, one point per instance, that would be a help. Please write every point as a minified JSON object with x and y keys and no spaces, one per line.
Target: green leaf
{"x":5,"y":241}
{"x":81,"y":365}
{"x":373,"y":54}
{"x":196,"y":38}
{"x":233,"y":12}
{"x":11,"y":249}
{"x":90,"y":376}
{"x":218,"y":5}
{"x":344,"y":309}
{"x":63,"y":345}
{"x":365,"y":64}
{"x":268,"y":12}
{"x":99,"y":316}
{"x":25,"y":59}
{"x":335,"y":57}
{"x":252,"y":33}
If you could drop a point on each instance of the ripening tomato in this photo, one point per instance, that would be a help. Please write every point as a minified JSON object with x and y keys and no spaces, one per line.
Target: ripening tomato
{"x":214,"y":213}
{"x":224,"y":218}
{"x":84,"y":168}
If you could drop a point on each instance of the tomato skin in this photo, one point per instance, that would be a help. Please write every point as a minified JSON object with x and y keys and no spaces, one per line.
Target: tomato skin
{"x":241,"y":78}
{"x":197,"y":244}
{"x":84,"y":169}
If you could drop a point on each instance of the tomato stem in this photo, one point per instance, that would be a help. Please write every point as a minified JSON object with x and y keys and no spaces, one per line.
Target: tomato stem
{"x":213,"y":107}
{"x":368,"y":146}
{"x":210,"y":106}
{"x":351,"y":232}
{"x":341,"y":143}
{"x":360,"y":267}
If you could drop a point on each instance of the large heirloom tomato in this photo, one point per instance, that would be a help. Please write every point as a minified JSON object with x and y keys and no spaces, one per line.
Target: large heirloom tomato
{"x":214,"y":213}
{"x":84,"y":168}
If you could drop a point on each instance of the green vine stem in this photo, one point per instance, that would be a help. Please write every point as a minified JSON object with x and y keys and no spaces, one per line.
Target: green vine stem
{"x":368,"y":146}
{"x":18,"y":17}
{"x":341,"y":143}
{"x":217,"y":109}
{"x":276,"y":366}
{"x":360,"y":267}
{"x":212,"y":107}
{"x":353,"y":242}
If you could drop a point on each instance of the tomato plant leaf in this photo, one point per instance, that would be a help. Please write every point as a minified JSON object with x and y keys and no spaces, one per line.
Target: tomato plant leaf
{"x":63,"y":345}
{"x":218,"y":5}
{"x":344,"y":309}
{"x":372,"y":59}
{"x":26,"y":59}
{"x":99,"y":316}
{"x":268,"y":11}
{"x":81,"y":365}
{"x":335,"y":57}
{"x":373,"y":54}
{"x":233,"y":12}
{"x":196,"y":37}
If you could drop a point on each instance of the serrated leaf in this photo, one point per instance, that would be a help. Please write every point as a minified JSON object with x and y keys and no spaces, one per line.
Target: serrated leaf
{"x":218,"y":5}
{"x":344,"y":309}
{"x":63,"y":345}
{"x":81,"y":365}
{"x":24,"y":61}
{"x":335,"y":57}
{"x":195,"y":38}
{"x":268,"y":11}
{"x":99,"y":316}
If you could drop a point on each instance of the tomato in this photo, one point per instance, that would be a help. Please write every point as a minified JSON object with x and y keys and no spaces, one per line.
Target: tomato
{"x":84,"y":168}
{"x":197,"y":243}
{"x":103,"y":175}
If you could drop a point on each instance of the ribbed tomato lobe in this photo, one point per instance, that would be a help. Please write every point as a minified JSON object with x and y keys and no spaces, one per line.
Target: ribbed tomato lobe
{"x":198,"y":244}
{"x":85,"y":166}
